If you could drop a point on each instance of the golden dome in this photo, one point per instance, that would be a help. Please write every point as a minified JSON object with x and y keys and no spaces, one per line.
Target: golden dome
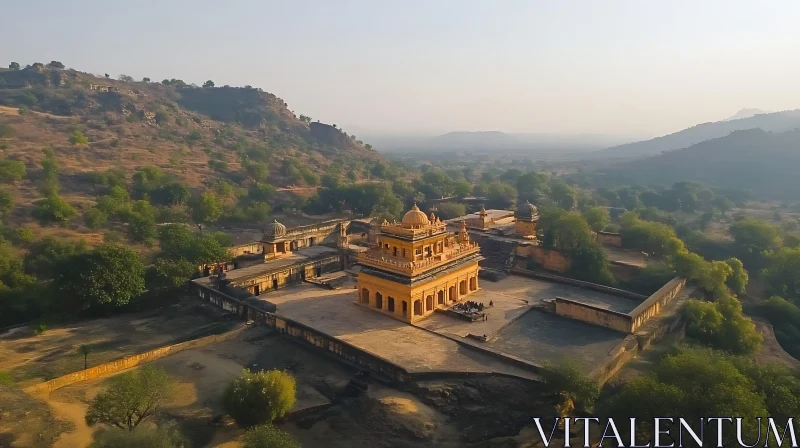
{"x":415,"y":218}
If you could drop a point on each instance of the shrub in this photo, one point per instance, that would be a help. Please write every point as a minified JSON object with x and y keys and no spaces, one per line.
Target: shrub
{"x":53,"y":209}
{"x":268,"y":436}
{"x":258,"y":398}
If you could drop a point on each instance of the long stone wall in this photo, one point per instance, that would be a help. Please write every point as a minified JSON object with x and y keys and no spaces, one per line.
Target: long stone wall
{"x":110,"y":368}
{"x":653,"y":305}
{"x":550,"y":260}
{"x":609,"y":239}
{"x":594,"y":315}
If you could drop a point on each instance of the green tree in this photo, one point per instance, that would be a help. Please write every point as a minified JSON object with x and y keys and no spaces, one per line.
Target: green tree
{"x":450,"y":210}
{"x":44,"y":256}
{"x":692,"y":384}
{"x":566,"y":382}
{"x":11,"y":170}
{"x":6,"y":202}
{"x":53,"y":209}
{"x":501,"y":194}
{"x":782,"y":273}
{"x":84,"y":351}
{"x":258,"y":398}
{"x":563,"y":195}
{"x":259,"y":171}
{"x":109,"y":276}
{"x":131,"y":399}
{"x":722,"y":325}
{"x":172,"y":273}
{"x":207,"y":208}
{"x":208,"y":84}
{"x":95,"y":218}
{"x":141,"y":228}
{"x":158,"y":437}
{"x":753,"y":238}
{"x":56,"y":65}
{"x":78,"y":138}
{"x":268,"y":436}
{"x":178,"y":242}
{"x":738,"y":279}
{"x":13,"y":66}
{"x":597,"y":217}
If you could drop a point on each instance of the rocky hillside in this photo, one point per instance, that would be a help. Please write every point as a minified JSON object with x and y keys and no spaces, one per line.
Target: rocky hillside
{"x":228,"y":141}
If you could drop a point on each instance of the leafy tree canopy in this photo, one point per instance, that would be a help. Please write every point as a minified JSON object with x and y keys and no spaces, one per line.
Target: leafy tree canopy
{"x":258,"y":398}
{"x":131,"y":399}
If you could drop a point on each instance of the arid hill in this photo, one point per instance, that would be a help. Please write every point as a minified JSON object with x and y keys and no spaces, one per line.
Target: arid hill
{"x":203,"y":137}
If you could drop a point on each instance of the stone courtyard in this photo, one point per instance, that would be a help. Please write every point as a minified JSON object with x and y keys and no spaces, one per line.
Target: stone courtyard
{"x":440,"y":343}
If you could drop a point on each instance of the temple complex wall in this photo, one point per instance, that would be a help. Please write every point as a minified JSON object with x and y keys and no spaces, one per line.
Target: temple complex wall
{"x":391,"y":297}
{"x":246,"y":249}
{"x":658,"y":300}
{"x":594,"y":315}
{"x":609,"y":239}
{"x":290,"y":275}
{"x":550,"y":260}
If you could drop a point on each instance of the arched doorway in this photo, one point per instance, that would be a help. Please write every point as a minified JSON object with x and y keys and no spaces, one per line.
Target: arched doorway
{"x":390,"y":304}
{"x":418,"y":307}
{"x":428,"y":303}
{"x":440,"y":298}
{"x":452,"y":293}
{"x":378,"y":301}
{"x":462,"y":287}
{"x":364,"y":295}
{"x":405,"y":308}
{"x":473,"y":284}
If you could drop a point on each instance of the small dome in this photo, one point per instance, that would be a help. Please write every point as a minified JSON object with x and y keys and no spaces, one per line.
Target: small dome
{"x":527,"y":212}
{"x":275,"y":229}
{"x":415,"y":217}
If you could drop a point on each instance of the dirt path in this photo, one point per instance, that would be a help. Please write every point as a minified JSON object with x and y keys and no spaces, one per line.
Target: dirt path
{"x":72,"y":411}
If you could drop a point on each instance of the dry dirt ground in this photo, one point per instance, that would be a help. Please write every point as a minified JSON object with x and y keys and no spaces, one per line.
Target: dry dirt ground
{"x":444,"y":413}
{"x":30,"y":359}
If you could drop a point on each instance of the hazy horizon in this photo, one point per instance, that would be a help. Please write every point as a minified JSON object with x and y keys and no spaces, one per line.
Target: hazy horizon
{"x":427,"y":68}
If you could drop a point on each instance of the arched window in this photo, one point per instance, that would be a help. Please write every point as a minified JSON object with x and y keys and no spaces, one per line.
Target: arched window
{"x":462,"y":287}
{"x":452,"y":293}
{"x":390,"y":304}
{"x":378,"y":301}
{"x":418,"y":307}
{"x":440,"y":298}
{"x":473,"y":284}
{"x":364,"y":295}
{"x":428,"y":303}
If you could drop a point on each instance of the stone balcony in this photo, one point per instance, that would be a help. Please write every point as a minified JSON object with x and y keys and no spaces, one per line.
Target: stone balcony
{"x":376,"y":258}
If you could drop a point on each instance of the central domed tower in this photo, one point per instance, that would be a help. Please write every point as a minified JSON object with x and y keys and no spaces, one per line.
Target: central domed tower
{"x":416,"y":266}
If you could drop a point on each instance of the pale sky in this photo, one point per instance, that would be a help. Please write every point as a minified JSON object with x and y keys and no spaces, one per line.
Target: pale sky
{"x":556,"y":66}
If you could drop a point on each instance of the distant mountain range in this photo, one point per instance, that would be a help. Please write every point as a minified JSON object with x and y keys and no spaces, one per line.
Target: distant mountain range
{"x":764,"y":162}
{"x":772,"y":122}
{"x":490,"y":141}
{"x":746,"y":113}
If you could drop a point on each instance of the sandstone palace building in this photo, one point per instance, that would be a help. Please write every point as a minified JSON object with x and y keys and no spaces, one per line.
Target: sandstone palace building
{"x":417,"y":266}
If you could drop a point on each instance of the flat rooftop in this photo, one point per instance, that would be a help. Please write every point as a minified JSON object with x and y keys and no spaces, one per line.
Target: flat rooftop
{"x":513,"y":327}
{"x":626,"y":256}
{"x":299,"y":256}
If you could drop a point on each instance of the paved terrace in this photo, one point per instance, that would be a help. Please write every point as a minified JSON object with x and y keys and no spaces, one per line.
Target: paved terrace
{"x":512,"y":297}
{"x":334,"y":313}
{"x":513,"y":328}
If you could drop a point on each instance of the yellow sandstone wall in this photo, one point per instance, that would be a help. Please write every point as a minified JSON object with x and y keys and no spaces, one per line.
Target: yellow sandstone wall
{"x":112,"y":367}
{"x":593,"y":315}
{"x":440,"y":291}
{"x":609,"y":239}
{"x":548,"y":259}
